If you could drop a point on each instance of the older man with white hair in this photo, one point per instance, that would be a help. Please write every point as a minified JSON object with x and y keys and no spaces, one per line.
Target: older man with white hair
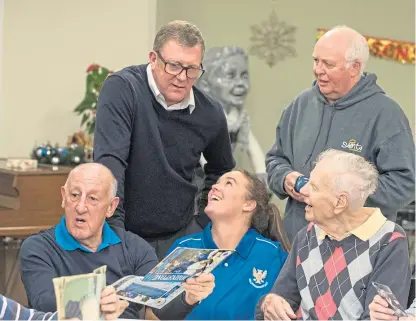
{"x":334,"y":261}
{"x":346,"y":110}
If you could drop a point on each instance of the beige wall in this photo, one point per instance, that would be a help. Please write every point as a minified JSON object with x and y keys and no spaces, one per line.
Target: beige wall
{"x":227,"y":22}
{"x":47,"y":46}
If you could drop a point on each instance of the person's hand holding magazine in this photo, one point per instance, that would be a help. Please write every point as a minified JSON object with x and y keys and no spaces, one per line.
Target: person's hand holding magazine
{"x":196,"y":289}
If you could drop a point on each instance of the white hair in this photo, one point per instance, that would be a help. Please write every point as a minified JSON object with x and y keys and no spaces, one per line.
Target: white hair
{"x":113,"y":187}
{"x":351,"y":174}
{"x":357,"y":50}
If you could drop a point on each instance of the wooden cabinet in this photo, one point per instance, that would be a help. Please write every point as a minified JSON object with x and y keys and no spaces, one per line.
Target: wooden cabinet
{"x":30,"y":201}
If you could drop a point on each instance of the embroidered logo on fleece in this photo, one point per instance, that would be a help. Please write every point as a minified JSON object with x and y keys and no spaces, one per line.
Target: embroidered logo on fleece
{"x":258,"y":278}
{"x":352,"y":145}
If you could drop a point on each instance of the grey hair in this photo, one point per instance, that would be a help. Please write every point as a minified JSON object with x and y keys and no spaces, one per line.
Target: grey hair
{"x":185,"y":33}
{"x":113,"y":187}
{"x":353,"y":174}
{"x":357,"y":50}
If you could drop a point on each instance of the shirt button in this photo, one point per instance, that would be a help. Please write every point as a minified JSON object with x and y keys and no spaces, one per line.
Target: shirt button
{"x":225,"y":264}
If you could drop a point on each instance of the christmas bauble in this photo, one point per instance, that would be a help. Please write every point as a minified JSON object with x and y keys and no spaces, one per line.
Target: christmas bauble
{"x":40,"y":152}
{"x":54,"y":152}
{"x":44,"y":160}
{"x":73,"y":146}
{"x":76,"y":160}
{"x":55,"y":160}
{"x":62,"y":151}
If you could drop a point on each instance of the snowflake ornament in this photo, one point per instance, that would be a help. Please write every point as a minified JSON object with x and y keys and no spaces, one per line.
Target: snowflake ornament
{"x":273,"y":40}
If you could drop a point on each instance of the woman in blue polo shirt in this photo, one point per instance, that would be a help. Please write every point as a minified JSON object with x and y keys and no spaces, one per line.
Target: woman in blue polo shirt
{"x":244,"y":220}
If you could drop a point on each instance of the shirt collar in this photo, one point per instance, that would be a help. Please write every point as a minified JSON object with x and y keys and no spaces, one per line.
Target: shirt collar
{"x":69,"y":243}
{"x":366,"y":230}
{"x":189,"y":101}
{"x":243,"y":248}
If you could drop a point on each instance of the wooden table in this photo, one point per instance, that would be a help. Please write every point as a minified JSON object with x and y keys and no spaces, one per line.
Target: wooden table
{"x":30,"y":201}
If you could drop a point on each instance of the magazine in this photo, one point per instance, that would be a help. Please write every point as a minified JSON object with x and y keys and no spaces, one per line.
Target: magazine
{"x":153,"y":294}
{"x":164,"y":282}
{"x":184,"y":262}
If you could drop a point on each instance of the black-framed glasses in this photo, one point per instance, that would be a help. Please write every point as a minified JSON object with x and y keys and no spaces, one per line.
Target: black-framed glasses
{"x":175,"y":69}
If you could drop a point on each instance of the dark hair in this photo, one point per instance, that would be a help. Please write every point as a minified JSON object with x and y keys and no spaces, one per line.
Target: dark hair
{"x":266,"y":217}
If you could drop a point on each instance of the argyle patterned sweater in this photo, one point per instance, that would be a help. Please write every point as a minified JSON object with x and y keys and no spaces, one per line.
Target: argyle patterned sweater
{"x":332,"y":280}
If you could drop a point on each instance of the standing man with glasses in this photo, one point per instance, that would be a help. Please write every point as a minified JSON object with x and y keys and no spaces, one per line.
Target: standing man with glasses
{"x":152,"y":127}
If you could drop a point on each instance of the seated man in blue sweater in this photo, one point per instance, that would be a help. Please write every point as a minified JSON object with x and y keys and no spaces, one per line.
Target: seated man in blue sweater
{"x":111,"y":306}
{"x":83,"y":241}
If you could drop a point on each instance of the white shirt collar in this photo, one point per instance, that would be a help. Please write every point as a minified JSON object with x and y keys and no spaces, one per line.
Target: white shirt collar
{"x":188,"y":101}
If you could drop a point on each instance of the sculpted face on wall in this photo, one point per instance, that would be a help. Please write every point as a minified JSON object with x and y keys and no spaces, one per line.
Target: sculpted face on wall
{"x":226,"y":77}
{"x":227,"y":80}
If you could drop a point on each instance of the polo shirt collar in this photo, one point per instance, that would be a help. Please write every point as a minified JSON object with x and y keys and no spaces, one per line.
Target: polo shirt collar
{"x":69,"y":243}
{"x":366,"y":230}
{"x":243,"y":248}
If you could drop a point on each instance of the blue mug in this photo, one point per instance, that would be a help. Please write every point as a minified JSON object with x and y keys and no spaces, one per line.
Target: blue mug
{"x":300,"y":182}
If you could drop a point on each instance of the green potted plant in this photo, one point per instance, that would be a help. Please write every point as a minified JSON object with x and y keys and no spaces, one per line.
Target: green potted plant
{"x":87,"y":109}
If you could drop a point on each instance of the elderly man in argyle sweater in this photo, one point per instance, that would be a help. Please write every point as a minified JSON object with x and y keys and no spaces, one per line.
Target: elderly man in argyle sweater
{"x":334,"y":260}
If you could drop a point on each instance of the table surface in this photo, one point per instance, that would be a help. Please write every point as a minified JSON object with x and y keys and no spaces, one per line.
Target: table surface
{"x":42,"y":169}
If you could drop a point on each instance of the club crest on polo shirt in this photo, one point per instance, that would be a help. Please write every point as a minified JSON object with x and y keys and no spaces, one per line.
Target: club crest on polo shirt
{"x":258,"y":278}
